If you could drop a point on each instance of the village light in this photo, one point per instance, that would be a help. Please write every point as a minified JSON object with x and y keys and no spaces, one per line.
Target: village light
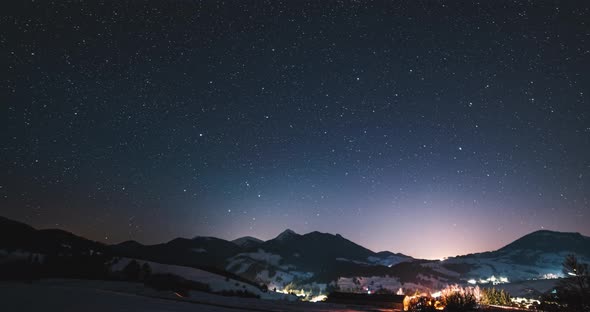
{"x":319,"y":298}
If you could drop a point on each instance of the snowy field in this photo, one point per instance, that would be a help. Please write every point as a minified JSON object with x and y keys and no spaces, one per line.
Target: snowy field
{"x":529,"y":289}
{"x":215,"y":281}
{"x":99,"y":296}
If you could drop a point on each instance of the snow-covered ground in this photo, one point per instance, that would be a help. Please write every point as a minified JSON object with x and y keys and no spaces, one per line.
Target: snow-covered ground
{"x":365,"y":283}
{"x":7,"y":256}
{"x":216,"y":282}
{"x":482,"y":268}
{"x":102,"y":296}
{"x":529,"y":289}
{"x":391,"y":283}
{"x":282,"y":274}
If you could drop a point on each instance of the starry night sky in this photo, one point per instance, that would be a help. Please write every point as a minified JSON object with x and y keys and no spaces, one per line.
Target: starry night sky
{"x":430,"y":128}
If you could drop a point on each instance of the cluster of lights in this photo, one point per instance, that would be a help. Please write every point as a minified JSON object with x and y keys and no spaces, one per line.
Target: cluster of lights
{"x":319,"y":298}
{"x":492,"y":279}
{"x":431,"y":301}
{"x":434,"y":297}
{"x":302,"y":295}
{"x":550,"y":276}
{"x":298,"y":293}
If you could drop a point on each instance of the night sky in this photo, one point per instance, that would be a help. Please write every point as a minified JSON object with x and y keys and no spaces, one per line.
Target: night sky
{"x":425,"y":127}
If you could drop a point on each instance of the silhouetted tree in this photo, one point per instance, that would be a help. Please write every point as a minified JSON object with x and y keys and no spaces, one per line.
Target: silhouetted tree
{"x":574,"y":290}
{"x":146,"y":271}
{"x":459,"y":302}
{"x":421,"y":304}
{"x":132,"y":270}
{"x":332,"y":287}
{"x":549,"y":303}
{"x":493,"y":296}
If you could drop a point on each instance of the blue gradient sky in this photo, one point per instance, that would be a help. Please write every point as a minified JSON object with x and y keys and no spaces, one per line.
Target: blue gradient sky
{"x":431,"y":129}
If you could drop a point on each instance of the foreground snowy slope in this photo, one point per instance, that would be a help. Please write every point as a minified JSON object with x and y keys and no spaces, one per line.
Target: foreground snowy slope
{"x":216,"y":282}
{"x":99,"y":296}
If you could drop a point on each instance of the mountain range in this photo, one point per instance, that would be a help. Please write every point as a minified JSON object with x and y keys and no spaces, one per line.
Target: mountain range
{"x":317,"y":259}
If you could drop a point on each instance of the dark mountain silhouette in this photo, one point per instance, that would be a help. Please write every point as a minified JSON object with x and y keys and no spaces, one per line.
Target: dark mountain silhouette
{"x":529,"y":257}
{"x":33,"y":254}
{"x":130,"y":244}
{"x":308,"y":257}
{"x":551,"y":241}
{"x":324,"y":256}
{"x":315,"y":250}
{"x":196,"y":252}
{"x":528,"y":249}
{"x":19,"y":236}
{"x":15,"y":235}
{"x":287,"y":234}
